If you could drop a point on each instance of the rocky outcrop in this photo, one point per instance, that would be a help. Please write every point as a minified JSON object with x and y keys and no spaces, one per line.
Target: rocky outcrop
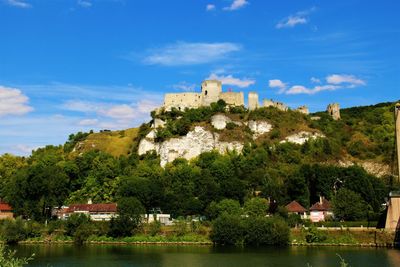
{"x":219,"y":121}
{"x":374,"y":168}
{"x":190,"y":146}
{"x":259,"y":128}
{"x":302,"y":137}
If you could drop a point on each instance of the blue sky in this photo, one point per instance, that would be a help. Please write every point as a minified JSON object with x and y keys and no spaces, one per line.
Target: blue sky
{"x":76,"y":65}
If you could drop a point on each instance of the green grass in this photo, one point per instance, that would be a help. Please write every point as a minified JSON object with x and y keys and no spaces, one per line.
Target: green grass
{"x":116,"y":143}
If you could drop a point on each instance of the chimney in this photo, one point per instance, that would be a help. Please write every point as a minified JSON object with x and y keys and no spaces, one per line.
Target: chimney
{"x":320,"y":199}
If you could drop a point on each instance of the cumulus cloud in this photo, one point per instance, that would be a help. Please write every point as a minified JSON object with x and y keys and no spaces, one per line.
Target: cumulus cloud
{"x":184,"y":86}
{"x":210,"y":7}
{"x":350,"y":80}
{"x":275,"y":83}
{"x":300,"y":89}
{"x":121,"y":112}
{"x":183,"y":53}
{"x":84,"y":3}
{"x":18,"y":3}
{"x":81,"y":106}
{"x":25,"y":149}
{"x":230,"y":80}
{"x":300,"y":17}
{"x":236,"y":4}
{"x":13,"y":102}
{"x":334,"y":82}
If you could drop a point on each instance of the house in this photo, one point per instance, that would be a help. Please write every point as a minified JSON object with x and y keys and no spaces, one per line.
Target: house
{"x":164,"y":219}
{"x":96,"y":212}
{"x":294,"y":207}
{"x":321,"y":210}
{"x":5,"y":211}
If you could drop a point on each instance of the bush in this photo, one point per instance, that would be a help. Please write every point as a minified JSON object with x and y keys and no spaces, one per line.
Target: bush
{"x":266,"y":231}
{"x":227,"y":230}
{"x":314,"y":235}
{"x":8,"y":259}
{"x":82,"y":233}
{"x":13,"y":231}
{"x":74,"y":221}
{"x":180,"y":227}
{"x":154,"y":228}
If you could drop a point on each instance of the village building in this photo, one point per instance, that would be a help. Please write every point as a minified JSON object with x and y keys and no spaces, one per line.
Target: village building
{"x":294,"y":207}
{"x":321,"y":211}
{"x":96,"y":212}
{"x":6,"y":211}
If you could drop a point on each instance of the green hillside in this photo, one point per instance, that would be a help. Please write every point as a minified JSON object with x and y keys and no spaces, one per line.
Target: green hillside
{"x":105,"y":167}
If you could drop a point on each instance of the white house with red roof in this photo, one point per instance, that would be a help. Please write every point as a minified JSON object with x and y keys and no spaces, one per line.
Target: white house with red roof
{"x":6,"y":211}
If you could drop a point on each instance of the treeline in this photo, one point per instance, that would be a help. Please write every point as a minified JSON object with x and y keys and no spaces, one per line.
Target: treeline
{"x":50,"y":178}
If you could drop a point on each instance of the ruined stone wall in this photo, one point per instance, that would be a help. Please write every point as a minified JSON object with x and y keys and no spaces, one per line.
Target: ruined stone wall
{"x":232,"y":99}
{"x":210,"y":91}
{"x":271,"y":103}
{"x":253,"y":101}
{"x":303,"y":109}
{"x":334,"y":110}
{"x":182,"y":101}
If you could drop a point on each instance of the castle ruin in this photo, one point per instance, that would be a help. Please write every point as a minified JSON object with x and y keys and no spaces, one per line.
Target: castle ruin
{"x":211,"y":91}
{"x":334,"y":110}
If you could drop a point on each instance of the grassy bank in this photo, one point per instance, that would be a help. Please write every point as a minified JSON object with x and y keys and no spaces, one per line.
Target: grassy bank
{"x":327,"y":237}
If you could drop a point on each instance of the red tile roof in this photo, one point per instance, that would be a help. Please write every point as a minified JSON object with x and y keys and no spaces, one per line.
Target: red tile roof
{"x":5,"y":207}
{"x":324,"y":206}
{"x":111,"y":207}
{"x":294,"y":206}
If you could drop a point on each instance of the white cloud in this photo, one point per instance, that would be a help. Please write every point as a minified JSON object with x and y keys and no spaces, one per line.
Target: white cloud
{"x":315,"y":80}
{"x":84,"y":3}
{"x":230,"y":80}
{"x":293,"y":20}
{"x":300,"y":89}
{"x":25,"y":149}
{"x":13,"y":102}
{"x":18,"y":3}
{"x":277,"y":84}
{"x":121,"y":112}
{"x":351,"y":80}
{"x":236,"y":4}
{"x":184,"y":86}
{"x":183,"y":53}
{"x":210,"y":7}
{"x":81,"y":106}
{"x":88,"y":122}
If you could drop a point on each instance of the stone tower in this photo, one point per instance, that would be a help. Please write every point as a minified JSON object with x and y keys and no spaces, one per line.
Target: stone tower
{"x":210,"y":91}
{"x":253,"y":101}
{"x":397,"y":118}
{"x":334,"y":110}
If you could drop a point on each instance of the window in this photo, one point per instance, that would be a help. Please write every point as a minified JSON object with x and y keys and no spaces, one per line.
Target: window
{"x":205,"y":92}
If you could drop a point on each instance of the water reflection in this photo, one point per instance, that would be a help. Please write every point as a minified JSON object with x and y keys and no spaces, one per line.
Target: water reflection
{"x":173,"y":256}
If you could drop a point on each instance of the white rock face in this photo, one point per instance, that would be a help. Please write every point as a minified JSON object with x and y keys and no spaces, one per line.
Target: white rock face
{"x":301,"y":137}
{"x":146,"y":145}
{"x":219,"y":121}
{"x":151,"y":134}
{"x":259,"y":128}
{"x":158,"y":123}
{"x":190,"y":146}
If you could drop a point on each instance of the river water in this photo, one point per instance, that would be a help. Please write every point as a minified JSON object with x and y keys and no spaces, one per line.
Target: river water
{"x":175,"y":256}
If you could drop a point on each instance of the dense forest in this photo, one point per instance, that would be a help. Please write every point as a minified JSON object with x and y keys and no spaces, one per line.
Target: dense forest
{"x":56,"y":175}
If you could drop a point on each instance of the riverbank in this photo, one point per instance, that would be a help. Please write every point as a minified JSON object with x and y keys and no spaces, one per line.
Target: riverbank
{"x":298,"y":237}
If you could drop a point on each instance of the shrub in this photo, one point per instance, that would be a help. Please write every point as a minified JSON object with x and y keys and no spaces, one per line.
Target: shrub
{"x":8,"y":259}
{"x":314,"y":235}
{"x":266,"y":231}
{"x":180,"y":227}
{"x":227,"y":230}
{"x":154,"y":228}
{"x":74,"y":221}
{"x":82,"y":233}
{"x":13,"y":231}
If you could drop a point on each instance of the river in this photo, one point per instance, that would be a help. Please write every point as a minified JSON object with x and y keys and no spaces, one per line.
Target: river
{"x":175,"y":256}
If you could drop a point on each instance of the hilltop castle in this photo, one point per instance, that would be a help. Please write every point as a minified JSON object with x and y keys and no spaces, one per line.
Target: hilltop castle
{"x":211,"y":91}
